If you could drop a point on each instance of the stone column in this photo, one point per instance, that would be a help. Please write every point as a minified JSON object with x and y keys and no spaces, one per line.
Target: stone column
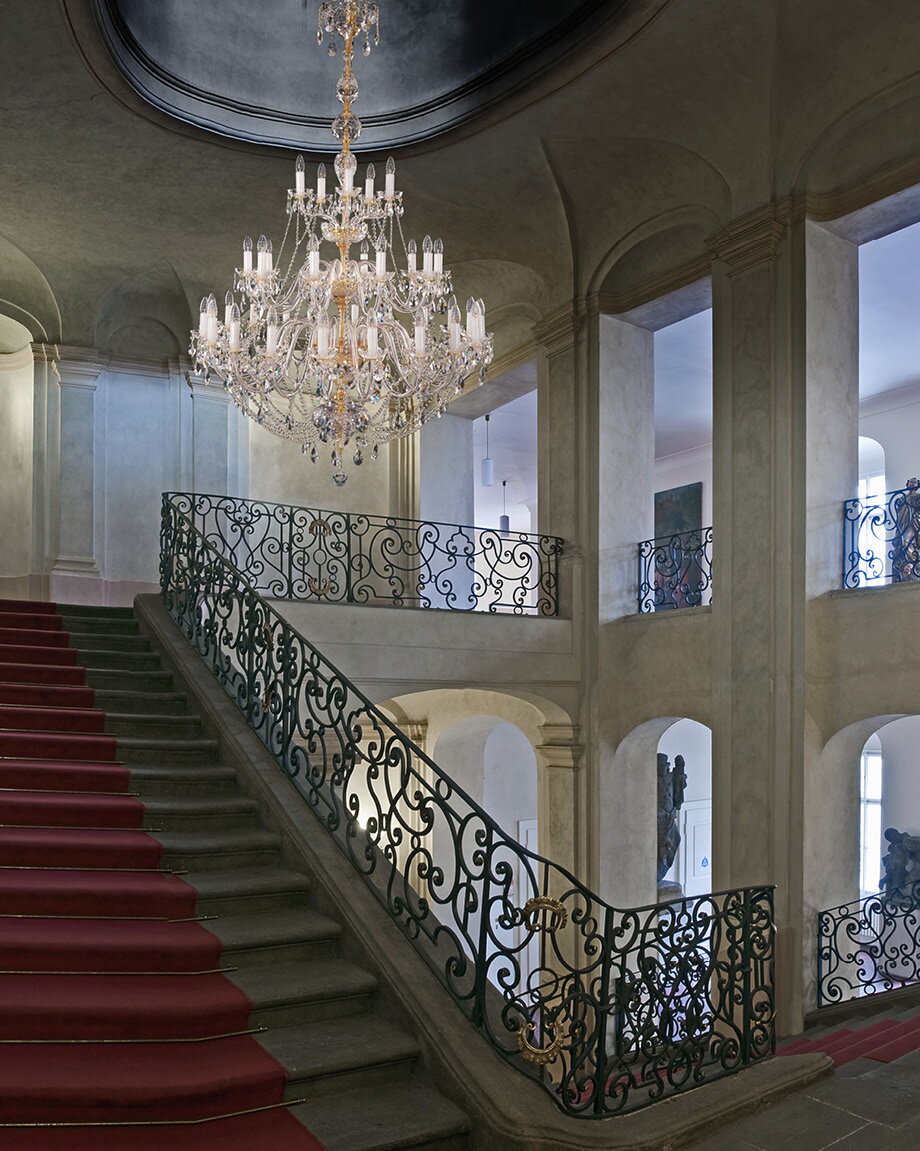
{"x":18,"y":560}
{"x":404,"y":477}
{"x":77,"y":574}
{"x":784,"y":356}
{"x":620,"y":461}
{"x":559,"y":757}
{"x":46,"y":467}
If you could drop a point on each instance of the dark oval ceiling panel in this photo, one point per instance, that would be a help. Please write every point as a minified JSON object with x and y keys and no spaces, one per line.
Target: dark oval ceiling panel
{"x":255,"y":72}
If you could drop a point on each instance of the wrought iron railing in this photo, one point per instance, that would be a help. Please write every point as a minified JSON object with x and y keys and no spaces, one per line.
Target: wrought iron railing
{"x":881,"y":538}
{"x":869,"y":946}
{"x":675,"y":571}
{"x":608,"y":1009}
{"x":344,"y":557}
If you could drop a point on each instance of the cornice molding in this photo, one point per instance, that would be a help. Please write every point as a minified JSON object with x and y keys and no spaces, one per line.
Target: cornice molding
{"x":558,"y":330}
{"x":508,"y":361}
{"x":752,"y":239}
{"x":73,"y":358}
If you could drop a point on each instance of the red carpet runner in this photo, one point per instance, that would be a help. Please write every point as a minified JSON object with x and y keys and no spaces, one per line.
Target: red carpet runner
{"x":113,"y":1020}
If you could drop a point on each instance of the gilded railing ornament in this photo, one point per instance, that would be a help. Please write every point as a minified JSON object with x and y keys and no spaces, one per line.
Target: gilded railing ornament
{"x":318,"y":587}
{"x":538,"y":1055}
{"x":319,"y":526}
{"x":554,"y":921}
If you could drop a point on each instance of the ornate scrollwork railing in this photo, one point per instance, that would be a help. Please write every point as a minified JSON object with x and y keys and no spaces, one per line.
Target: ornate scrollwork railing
{"x":608,"y":1009}
{"x":869,"y":946}
{"x":675,"y":571}
{"x":881,"y":538}
{"x":343,"y":557}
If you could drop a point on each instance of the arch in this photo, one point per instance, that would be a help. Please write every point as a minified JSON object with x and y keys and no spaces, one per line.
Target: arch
{"x":871,"y":454}
{"x":145,"y":316}
{"x":628,"y":805}
{"x":880,"y":127}
{"x":26,"y":296}
{"x":440,"y":707}
{"x":653,"y":244}
{"x":14,"y":336}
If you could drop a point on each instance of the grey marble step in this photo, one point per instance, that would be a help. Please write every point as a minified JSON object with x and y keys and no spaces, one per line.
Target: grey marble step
{"x":98,"y":611}
{"x":284,"y":994}
{"x":149,"y":780}
{"x":248,"y":891}
{"x":390,"y":1118}
{"x":122,"y":679}
{"x":103,"y":660}
{"x":100,"y":625}
{"x":335,"y":1055}
{"x":200,"y":813}
{"x":134,"y":726}
{"x":286,"y":935}
{"x":142,"y":702}
{"x":178,"y":752}
{"x":109,"y":641}
{"x":218,"y":850}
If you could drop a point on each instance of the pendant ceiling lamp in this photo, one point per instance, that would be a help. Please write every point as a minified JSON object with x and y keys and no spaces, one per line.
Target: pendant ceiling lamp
{"x":335,"y":350}
{"x":488,"y":464}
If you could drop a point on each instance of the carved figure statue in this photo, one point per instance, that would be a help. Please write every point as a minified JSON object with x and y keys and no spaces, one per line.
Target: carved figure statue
{"x":905,"y":557}
{"x":902,"y":863}
{"x":672,"y":785}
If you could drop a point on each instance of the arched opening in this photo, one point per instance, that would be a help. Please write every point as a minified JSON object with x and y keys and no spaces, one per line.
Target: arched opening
{"x":691,"y":869}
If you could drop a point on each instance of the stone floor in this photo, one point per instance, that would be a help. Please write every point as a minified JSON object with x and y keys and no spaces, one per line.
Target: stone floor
{"x":864,"y":1106}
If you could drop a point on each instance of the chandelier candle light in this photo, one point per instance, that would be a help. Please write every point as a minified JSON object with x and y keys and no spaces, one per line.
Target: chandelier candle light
{"x":312,"y":348}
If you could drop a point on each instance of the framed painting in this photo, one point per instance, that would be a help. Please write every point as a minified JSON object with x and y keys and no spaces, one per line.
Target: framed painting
{"x":679,"y":510}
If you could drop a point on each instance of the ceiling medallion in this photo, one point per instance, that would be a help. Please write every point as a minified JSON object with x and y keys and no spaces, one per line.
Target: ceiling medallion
{"x":314,"y":349}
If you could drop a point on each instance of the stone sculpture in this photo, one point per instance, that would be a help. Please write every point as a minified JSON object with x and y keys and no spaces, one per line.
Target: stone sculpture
{"x":906,"y":552}
{"x":901,"y":864}
{"x":671,"y":787}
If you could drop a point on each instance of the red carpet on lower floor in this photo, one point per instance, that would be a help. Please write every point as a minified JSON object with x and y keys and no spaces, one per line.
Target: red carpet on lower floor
{"x":117,"y":1029}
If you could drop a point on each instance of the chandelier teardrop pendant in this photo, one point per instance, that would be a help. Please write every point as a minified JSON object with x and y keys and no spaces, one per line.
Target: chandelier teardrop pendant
{"x":341,"y":352}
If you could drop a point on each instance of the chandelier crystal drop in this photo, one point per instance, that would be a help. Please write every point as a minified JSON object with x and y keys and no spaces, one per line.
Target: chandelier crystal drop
{"x":336,"y":351}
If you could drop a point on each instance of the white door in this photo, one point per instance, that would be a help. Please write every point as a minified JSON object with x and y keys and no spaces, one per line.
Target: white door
{"x":696,"y":847}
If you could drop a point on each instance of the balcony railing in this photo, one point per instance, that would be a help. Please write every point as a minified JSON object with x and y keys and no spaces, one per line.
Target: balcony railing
{"x":344,"y":557}
{"x":869,"y":946}
{"x":675,"y":571}
{"x":608,"y":1009}
{"x":881,"y":538}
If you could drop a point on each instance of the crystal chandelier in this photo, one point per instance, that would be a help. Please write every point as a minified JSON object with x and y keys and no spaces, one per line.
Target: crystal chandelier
{"x":315,"y":349}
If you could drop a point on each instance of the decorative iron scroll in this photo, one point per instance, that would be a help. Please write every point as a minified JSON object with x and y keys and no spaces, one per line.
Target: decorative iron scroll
{"x":881,"y":538}
{"x":675,"y":571}
{"x":869,"y":946}
{"x":339,"y":557}
{"x":609,"y":1010}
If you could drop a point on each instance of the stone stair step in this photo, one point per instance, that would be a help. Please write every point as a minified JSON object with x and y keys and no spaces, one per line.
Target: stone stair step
{"x":200,"y":813}
{"x":336,"y":1055}
{"x":105,"y":679}
{"x":285,"y":936}
{"x":99,"y":625}
{"x":391,"y":1118}
{"x":94,"y":659}
{"x":166,"y":779}
{"x":181,"y":752}
{"x":106,"y":641}
{"x":142,"y":702}
{"x":283,"y":994}
{"x":248,"y":891}
{"x":134,"y":726}
{"x":204,"y":850}
{"x":99,"y":611}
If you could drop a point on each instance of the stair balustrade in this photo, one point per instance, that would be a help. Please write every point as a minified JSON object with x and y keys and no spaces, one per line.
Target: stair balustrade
{"x":881,"y":538}
{"x":869,"y":946}
{"x":608,"y":1009}
{"x":675,"y":571}
{"x":344,"y":557}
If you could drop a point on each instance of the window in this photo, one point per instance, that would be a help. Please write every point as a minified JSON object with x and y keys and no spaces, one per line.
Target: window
{"x":870,"y":818}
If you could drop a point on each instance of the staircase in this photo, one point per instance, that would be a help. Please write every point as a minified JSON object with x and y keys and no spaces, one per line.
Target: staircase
{"x":164,"y":981}
{"x":882,"y":1037}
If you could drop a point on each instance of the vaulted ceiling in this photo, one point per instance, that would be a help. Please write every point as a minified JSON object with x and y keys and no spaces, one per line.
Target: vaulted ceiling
{"x":255,"y":72}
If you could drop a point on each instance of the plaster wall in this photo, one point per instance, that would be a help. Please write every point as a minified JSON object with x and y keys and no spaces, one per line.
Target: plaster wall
{"x":16,"y":437}
{"x":446,"y":470}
